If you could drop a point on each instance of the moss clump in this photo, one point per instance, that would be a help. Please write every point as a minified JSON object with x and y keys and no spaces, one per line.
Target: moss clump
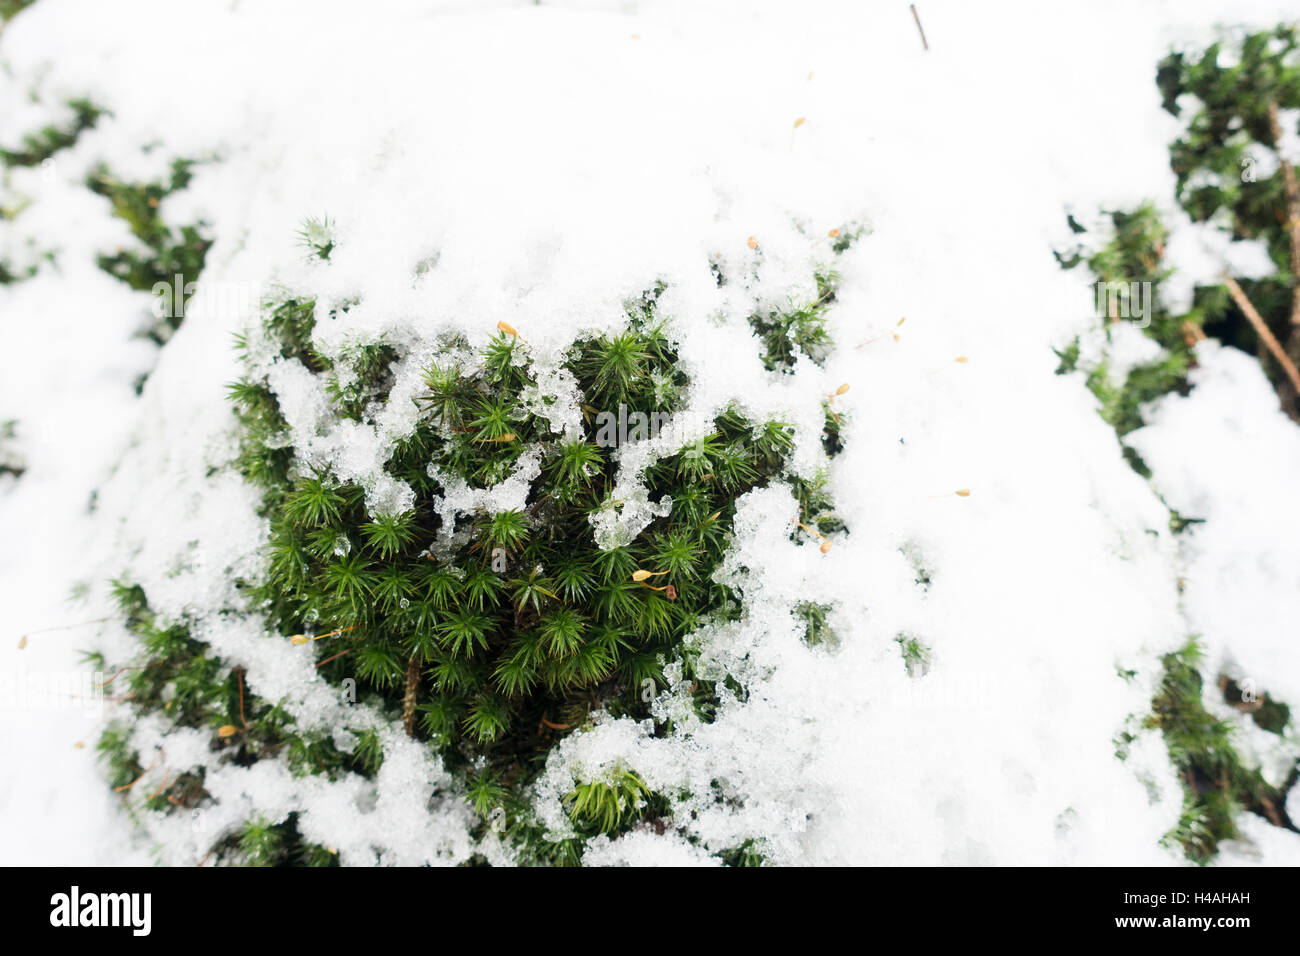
{"x":38,"y":148}
{"x":1135,"y":253}
{"x":44,"y":143}
{"x":1238,"y":121}
{"x":170,"y":253}
{"x":521,"y":616}
{"x":11,"y":462}
{"x":798,"y":331}
{"x":1217,"y":785}
{"x":1268,"y":714}
{"x":609,"y":804}
{"x":916,"y":654}
{"x":1234,"y":128}
{"x":1235,"y":125}
{"x":10,"y":8}
{"x":816,"y":623}
{"x":489,"y":634}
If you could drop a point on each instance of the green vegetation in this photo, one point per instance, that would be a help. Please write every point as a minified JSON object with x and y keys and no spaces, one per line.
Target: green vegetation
{"x":9,"y":8}
{"x":1216,"y":783}
{"x":169,"y":253}
{"x":488,"y":635}
{"x":44,"y":143}
{"x":1234,"y":127}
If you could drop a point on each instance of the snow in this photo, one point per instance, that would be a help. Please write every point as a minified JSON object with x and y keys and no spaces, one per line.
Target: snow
{"x":1225,"y":453}
{"x":547,"y":163}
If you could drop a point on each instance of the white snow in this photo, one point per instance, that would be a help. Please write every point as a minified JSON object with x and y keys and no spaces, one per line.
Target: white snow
{"x":548,"y":162}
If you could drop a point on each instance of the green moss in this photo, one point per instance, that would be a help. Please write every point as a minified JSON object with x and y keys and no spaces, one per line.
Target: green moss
{"x":1268,"y":714}
{"x":44,"y":143}
{"x":916,"y":654}
{"x":816,"y":622}
{"x":170,"y":252}
{"x":800,"y":330}
{"x":492,"y":635}
{"x":609,"y":804}
{"x":10,"y":8}
{"x":1217,"y":784}
{"x":1227,"y":133}
{"x":503,"y":647}
{"x":749,"y":853}
{"x":11,"y":462}
{"x":176,"y":676}
{"x":1216,"y":159}
{"x":38,"y":148}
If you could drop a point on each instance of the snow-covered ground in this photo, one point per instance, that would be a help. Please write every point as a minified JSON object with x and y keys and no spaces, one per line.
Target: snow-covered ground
{"x":557,"y":158}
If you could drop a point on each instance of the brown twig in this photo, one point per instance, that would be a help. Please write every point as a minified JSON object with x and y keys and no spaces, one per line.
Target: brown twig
{"x":128,"y":786}
{"x":1292,"y":192}
{"x":334,"y":658}
{"x":242,"y":719}
{"x":917,"y":17}
{"x":412,"y":694}
{"x":162,"y":786}
{"x":1262,"y":330}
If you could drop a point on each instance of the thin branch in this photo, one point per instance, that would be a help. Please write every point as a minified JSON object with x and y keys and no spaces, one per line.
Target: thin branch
{"x":242,"y":719}
{"x":333,"y":658}
{"x":1261,"y":329}
{"x":917,"y":17}
{"x":1292,"y":191}
{"x":412,"y":693}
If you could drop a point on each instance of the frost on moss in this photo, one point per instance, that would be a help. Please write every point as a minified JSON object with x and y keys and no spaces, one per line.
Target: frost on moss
{"x":1232,"y":177}
{"x":10,"y":8}
{"x":516,"y":582}
{"x":11,"y":461}
{"x":1217,"y":783}
{"x":44,"y":143}
{"x":38,"y":148}
{"x":166,"y":252}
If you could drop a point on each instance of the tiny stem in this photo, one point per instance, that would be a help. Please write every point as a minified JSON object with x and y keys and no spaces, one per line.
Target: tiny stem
{"x":412,"y":694}
{"x":1262,"y":330}
{"x":1292,"y":191}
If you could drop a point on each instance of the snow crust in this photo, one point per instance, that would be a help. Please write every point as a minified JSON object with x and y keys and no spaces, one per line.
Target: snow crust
{"x":540,"y":165}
